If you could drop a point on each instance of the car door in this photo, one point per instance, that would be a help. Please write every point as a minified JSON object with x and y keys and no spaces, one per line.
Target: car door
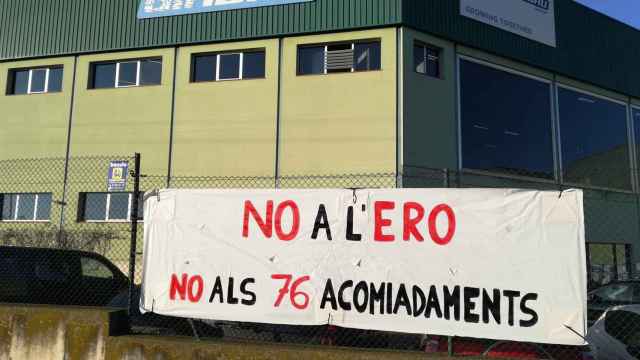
{"x":101,"y":281}
{"x":55,"y":279}
{"x":14,"y":277}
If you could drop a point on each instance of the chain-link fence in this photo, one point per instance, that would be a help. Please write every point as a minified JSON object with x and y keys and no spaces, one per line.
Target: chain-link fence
{"x":67,"y":238}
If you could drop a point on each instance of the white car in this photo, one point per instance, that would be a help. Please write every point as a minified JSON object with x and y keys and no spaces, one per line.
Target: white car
{"x":616,"y":335}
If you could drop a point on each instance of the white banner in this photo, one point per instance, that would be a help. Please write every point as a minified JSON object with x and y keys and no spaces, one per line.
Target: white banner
{"x":533,"y":19}
{"x":485,"y":263}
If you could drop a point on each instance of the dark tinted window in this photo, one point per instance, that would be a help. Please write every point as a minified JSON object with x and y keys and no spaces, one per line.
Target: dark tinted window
{"x":595,"y":148}
{"x":624,"y":326}
{"x":253,"y":65}
{"x":38,"y":80}
{"x":128,"y":74}
{"x":141,"y":206}
{"x":636,"y":123}
{"x":367,"y":56}
{"x":44,"y":207}
{"x":506,"y":122}
{"x":9,"y":203}
{"x":20,"y":82}
{"x":229,"y":66}
{"x":104,"y":76}
{"x":119,"y":206}
{"x":432,"y":60}
{"x":95,"y":207}
{"x":311,"y":60}
{"x":151,"y":72}
{"x":55,"y":79}
{"x":26,"y":207}
{"x":204,"y":68}
{"x":108,"y":206}
{"x":55,"y":269}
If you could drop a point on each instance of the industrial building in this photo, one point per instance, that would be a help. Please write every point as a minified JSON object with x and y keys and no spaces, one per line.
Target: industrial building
{"x":545,"y":94}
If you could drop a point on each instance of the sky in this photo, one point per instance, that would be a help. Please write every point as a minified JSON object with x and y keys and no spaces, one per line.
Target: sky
{"x":627,"y":11}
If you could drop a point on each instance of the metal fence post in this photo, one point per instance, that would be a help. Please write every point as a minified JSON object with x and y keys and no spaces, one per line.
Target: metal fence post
{"x":134,"y":231}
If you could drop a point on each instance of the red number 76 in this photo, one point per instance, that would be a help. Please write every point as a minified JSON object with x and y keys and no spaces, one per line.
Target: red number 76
{"x":293,"y":291}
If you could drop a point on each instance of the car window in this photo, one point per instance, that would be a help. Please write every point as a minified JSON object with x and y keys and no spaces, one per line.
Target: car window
{"x":52,"y":269}
{"x":624,"y":326}
{"x":9,"y":267}
{"x":636,"y":293}
{"x":614,"y":293}
{"x":95,"y":269}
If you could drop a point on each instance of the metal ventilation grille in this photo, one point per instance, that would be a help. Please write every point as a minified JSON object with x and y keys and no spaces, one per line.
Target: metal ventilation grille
{"x":337,"y":60}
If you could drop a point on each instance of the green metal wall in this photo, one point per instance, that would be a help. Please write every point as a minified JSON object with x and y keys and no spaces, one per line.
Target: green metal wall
{"x":30,"y":28}
{"x":591,"y":47}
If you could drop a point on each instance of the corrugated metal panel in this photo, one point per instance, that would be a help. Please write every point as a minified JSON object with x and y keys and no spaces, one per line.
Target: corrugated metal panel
{"x":32,"y":28}
{"x":591,"y":47}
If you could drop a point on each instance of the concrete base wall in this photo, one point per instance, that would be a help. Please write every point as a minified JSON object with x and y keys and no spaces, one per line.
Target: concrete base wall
{"x":59,"y":333}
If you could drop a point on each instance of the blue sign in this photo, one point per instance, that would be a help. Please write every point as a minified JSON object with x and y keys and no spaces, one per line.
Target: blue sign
{"x":158,"y":8}
{"x":117,"y":176}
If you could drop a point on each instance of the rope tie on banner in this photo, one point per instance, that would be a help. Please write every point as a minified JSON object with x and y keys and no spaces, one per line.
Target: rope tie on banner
{"x":154,"y":192}
{"x":575,"y":332}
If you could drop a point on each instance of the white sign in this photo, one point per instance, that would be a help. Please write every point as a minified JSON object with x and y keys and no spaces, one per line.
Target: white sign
{"x":533,"y":19}
{"x":500,"y":264}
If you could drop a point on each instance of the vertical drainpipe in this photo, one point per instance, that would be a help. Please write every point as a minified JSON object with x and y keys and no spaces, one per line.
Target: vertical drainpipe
{"x":173,"y":115}
{"x":399,"y":105}
{"x":63,"y":201}
{"x":278,"y":110}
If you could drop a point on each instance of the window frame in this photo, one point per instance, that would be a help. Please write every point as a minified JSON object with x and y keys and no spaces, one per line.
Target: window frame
{"x":118,"y":63}
{"x":630,"y":143}
{"x":426,"y":46}
{"x":218,"y":55}
{"x":553,"y":116}
{"x":240,"y":66}
{"x":34,"y":219}
{"x":138,"y":69}
{"x":326,"y":46}
{"x":635,"y":145}
{"x":107,"y":220}
{"x":10,"y":91}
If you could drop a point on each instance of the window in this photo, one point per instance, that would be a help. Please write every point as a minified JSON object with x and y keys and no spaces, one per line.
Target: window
{"x":426,"y":59}
{"x":95,"y":269}
{"x":506,"y":122}
{"x":35,"y":81}
{"x":594,"y":140}
{"x":622,"y":292}
{"x":635,"y":113}
{"x":126,"y":73}
{"x":608,"y":262}
{"x":624,"y":326}
{"x":53,"y":269}
{"x":228,"y":66}
{"x":340,"y":57}
{"x":108,"y":207}
{"x":26,"y":207}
